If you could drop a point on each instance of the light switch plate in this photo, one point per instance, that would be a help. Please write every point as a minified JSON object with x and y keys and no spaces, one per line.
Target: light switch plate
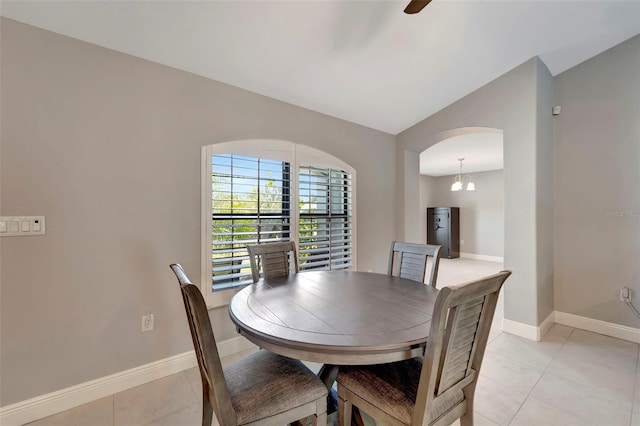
{"x":21,"y":226}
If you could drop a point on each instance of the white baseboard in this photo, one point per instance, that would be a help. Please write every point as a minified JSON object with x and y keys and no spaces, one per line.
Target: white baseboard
{"x":482,"y":257}
{"x":45,"y":405}
{"x":601,"y":327}
{"x":544,"y":327}
{"x":65,"y":399}
{"x":519,"y":329}
{"x":529,"y":331}
{"x":583,"y":323}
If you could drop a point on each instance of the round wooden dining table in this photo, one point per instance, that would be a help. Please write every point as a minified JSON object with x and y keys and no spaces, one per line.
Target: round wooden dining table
{"x":336,"y":317}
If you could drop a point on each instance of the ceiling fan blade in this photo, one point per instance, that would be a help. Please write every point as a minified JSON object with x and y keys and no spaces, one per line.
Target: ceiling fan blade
{"x":416,"y":6}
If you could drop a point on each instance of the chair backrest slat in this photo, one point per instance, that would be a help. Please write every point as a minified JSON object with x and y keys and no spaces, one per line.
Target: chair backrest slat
{"x":457,"y":340}
{"x":408,"y":260}
{"x":205,"y":347}
{"x":461,"y":339}
{"x":275,"y":259}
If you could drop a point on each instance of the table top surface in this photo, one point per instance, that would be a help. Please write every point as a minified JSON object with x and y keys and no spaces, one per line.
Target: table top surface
{"x":337,"y":317}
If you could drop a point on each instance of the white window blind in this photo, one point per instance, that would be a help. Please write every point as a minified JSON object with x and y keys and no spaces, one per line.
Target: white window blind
{"x":251,"y":203}
{"x":325,"y":228}
{"x":262,"y":190}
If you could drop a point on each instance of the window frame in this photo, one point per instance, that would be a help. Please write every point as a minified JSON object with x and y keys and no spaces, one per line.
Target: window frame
{"x":297,"y":155}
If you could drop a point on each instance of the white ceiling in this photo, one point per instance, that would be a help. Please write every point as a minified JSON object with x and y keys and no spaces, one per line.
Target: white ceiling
{"x":363,"y":61}
{"x":481,"y":152}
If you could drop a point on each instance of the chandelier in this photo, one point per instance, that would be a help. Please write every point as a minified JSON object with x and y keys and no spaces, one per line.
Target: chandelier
{"x":458,"y":183}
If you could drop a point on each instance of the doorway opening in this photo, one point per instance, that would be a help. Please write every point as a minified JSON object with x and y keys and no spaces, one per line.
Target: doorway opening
{"x":476,"y":238}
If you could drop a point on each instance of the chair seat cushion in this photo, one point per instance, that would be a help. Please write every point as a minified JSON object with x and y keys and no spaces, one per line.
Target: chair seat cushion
{"x":393,"y":388}
{"x":263,"y":384}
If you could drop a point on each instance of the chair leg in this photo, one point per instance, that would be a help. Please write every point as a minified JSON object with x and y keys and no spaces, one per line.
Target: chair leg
{"x":467,"y":419}
{"x":344,"y":412}
{"x":320,"y":420}
{"x":207,"y":409}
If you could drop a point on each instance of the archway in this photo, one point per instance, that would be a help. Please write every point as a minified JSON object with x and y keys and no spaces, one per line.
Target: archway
{"x":482,"y":212}
{"x":518,"y":103}
{"x":478,"y":249}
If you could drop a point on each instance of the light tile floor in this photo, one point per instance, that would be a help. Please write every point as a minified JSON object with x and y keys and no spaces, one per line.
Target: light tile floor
{"x":571,"y":377}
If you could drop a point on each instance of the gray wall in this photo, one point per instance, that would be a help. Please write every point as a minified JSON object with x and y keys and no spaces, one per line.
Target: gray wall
{"x":427,"y":188}
{"x":544,"y":191}
{"x":509,"y":103}
{"x":107,"y":147}
{"x":597,"y":185}
{"x":408,"y":172}
{"x":481,"y":211}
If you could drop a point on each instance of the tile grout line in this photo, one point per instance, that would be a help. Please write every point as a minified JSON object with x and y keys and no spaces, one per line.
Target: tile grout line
{"x":508,"y":386}
{"x":545,"y":372}
{"x":184,"y":372}
{"x":635,"y":386}
{"x":556,"y":375}
{"x":541,"y":376}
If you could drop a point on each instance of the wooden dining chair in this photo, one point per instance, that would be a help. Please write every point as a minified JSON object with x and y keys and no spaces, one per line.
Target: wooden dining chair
{"x":408,"y":260}
{"x":439,"y":388}
{"x":260,"y":389}
{"x":275,"y":259}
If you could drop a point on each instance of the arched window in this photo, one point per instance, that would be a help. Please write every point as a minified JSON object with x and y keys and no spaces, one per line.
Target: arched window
{"x":257,"y":191}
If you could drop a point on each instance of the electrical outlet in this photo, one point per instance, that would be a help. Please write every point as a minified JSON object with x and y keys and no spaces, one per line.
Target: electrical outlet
{"x":625,"y":294}
{"x":461,"y":242}
{"x":147,"y":322}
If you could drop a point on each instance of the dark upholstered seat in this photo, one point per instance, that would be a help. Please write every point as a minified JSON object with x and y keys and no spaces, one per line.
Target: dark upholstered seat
{"x":394,"y":387}
{"x":438,"y":389}
{"x":264,"y":385}
{"x":261,"y":389}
